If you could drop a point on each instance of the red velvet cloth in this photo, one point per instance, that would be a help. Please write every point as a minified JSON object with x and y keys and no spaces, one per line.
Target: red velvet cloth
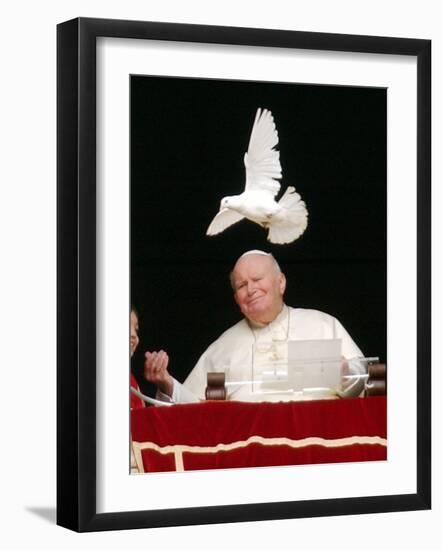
{"x":135,"y":401}
{"x":209,"y":423}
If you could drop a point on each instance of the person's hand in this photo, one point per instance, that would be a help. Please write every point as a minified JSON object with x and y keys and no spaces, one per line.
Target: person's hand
{"x":345,"y":372}
{"x":155,"y":370}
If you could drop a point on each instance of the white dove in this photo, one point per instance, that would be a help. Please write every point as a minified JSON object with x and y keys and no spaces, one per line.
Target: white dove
{"x":286,"y":220}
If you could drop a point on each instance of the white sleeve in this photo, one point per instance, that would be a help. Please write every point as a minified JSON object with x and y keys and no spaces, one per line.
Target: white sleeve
{"x":356,"y":388}
{"x":349,"y":349}
{"x":351,"y":352}
{"x":196,"y":381}
{"x":194,"y":387}
{"x":180,"y":394}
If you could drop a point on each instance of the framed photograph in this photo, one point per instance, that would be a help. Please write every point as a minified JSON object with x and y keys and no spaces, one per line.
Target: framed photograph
{"x":154,"y":121}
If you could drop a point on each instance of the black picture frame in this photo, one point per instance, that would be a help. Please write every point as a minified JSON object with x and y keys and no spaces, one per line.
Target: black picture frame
{"x":77,"y":287}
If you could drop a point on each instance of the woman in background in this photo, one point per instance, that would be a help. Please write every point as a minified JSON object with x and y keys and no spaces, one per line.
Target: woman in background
{"x":157,"y":361}
{"x":135,"y":401}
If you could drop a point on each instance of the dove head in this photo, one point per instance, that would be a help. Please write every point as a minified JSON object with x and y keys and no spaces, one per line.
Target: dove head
{"x":259,"y":286}
{"x":230,"y":202}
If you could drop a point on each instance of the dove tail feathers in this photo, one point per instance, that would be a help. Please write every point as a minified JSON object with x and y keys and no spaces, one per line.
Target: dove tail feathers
{"x":291,"y":222}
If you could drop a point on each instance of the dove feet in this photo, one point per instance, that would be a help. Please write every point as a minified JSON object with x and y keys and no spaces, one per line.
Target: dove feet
{"x":267,"y":223}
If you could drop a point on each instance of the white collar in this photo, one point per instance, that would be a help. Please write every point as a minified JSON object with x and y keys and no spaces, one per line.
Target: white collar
{"x":280,"y":319}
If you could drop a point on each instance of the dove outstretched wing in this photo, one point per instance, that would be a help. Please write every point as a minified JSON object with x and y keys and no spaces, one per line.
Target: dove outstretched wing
{"x":262,"y":163}
{"x":225,"y":218}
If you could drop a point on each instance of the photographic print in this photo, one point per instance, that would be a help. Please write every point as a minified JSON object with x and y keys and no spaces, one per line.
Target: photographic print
{"x":223,"y":168}
{"x":241,"y":215}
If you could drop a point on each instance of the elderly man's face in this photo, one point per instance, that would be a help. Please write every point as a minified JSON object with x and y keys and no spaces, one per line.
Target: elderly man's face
{"x":259,"y":288}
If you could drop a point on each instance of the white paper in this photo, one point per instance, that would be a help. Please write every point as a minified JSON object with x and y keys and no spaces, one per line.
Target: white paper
{"x":314,"y":364}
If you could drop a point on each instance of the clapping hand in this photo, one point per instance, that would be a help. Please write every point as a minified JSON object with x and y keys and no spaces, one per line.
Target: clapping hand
{"x":155,"y":370}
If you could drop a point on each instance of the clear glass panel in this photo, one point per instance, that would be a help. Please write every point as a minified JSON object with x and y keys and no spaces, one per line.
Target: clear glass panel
{"x":282,"y":370}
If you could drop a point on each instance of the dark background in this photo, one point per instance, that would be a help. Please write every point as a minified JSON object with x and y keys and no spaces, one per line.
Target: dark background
{"x":188,"y":139}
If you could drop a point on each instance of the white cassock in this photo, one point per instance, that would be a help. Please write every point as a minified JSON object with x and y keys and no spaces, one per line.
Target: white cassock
{"x":237,"y":349}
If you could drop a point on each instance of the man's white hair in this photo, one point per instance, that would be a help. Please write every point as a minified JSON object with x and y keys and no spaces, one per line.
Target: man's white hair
{"x":253,"y":253}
